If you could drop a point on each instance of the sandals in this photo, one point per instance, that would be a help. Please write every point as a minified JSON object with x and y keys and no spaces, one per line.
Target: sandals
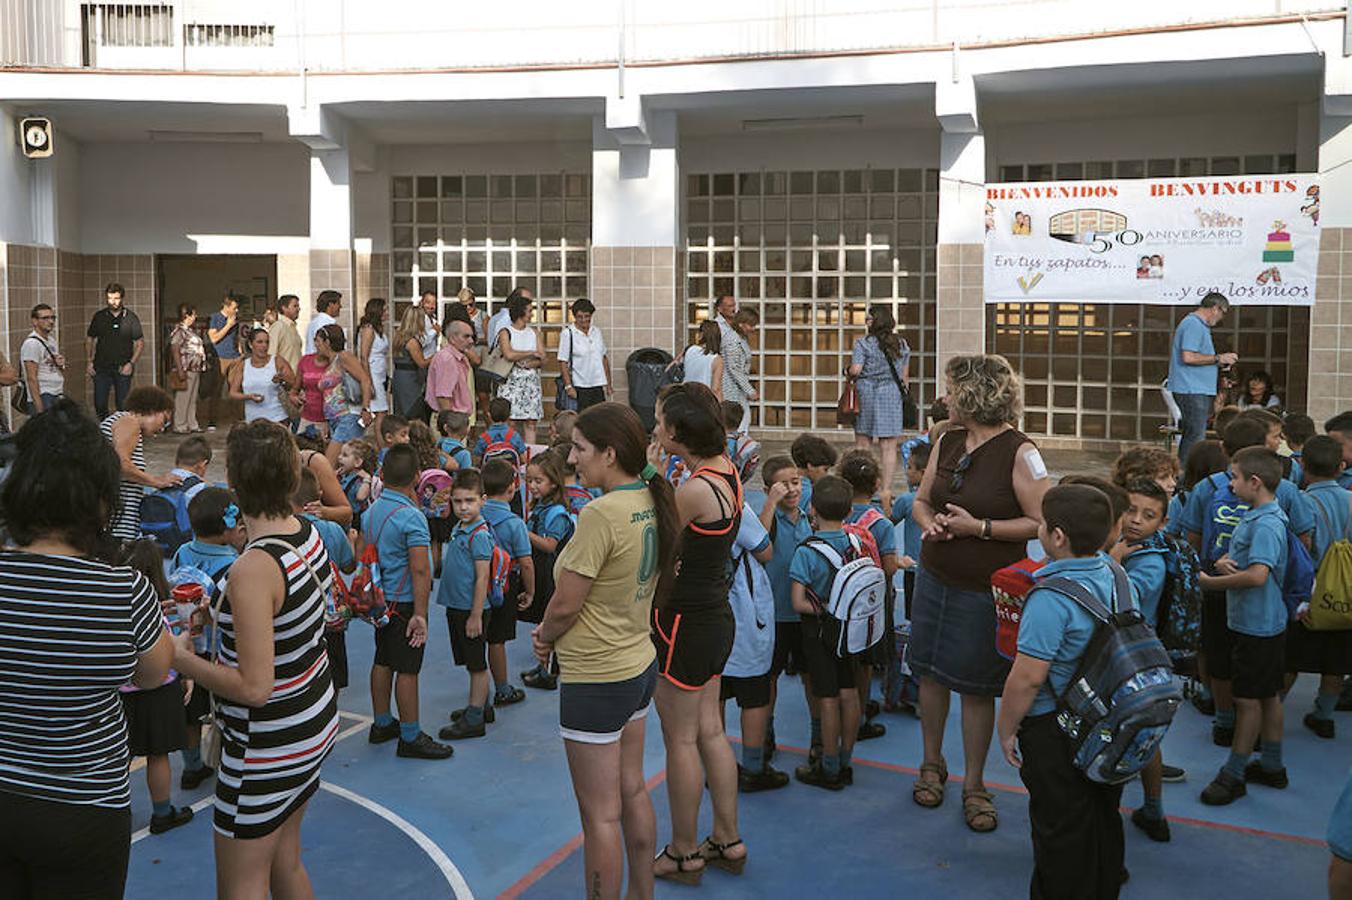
{"x":930,"y":793}
{"x":716,"y":854}
{"x":680,"y":874}
{"x":978,"y":808}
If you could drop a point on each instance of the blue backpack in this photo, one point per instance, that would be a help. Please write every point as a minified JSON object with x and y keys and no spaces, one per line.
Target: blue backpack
{"x":164,"y":515}
{"x":1298,"y":584}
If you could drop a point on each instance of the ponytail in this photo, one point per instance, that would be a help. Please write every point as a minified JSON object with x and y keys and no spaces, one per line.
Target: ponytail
{"x":668,"y":526}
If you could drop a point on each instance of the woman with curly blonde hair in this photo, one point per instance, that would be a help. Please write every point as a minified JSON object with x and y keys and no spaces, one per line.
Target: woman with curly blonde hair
{"x":978,"y":504}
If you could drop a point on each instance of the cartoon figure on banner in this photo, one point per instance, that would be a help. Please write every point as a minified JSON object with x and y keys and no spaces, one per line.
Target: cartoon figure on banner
{"x":1311,"y":207}
{"x":990,"y":217}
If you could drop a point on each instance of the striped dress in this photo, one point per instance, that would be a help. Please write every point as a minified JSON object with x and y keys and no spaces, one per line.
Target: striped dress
{"x":270,"y":756}
{"x":126,"y":524}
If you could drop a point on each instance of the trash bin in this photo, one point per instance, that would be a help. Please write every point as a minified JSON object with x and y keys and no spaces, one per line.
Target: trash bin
{"x":645,"y":368}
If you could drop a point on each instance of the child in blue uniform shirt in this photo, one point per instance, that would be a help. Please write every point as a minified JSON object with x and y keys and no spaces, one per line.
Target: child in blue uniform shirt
{"x":454,"y":430}
{"x":1251,"y":574}
{"x":464,"y":592}
{"x":910,"y":530}
{"x":550,"y":526}
{"x":499,"y":480}
{"x":1078,"y":844}
{"x":814,"y":457}
{"x":500,"y":431}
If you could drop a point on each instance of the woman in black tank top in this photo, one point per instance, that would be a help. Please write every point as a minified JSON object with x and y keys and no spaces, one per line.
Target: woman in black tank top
{"x":693,"y":630}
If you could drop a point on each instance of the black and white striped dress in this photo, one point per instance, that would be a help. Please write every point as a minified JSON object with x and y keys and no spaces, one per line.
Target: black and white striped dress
{"x":271,"y":756}
{"x":126,"y":524}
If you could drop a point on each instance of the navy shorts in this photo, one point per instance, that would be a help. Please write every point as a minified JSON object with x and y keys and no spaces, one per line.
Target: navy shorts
{"x":597,"y":713}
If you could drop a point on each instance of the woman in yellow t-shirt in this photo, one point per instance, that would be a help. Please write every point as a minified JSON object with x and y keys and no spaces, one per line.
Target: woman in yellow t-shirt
{"x":597,"y":624}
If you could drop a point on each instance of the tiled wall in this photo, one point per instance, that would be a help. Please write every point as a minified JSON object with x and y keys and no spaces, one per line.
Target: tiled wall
{"x":1330,"y":389}
{"x":961,"y":314}
{"x":373,"y":280}
{"x":332,"y":270}
{"x":136,"y":274}
{"x":634,"y":289}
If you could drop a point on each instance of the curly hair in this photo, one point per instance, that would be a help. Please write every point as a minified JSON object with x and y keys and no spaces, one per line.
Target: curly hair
{"x":424,"y":444}
{"x":1144,"y":464}
{"x":985,"y":389}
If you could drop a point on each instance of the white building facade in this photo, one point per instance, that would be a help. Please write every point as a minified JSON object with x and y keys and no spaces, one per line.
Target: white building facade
{"x":811,"y":159}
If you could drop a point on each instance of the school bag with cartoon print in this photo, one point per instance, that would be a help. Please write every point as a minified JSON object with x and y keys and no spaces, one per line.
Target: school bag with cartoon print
{"x":1179,"y":626}
{"x":434,"y":493}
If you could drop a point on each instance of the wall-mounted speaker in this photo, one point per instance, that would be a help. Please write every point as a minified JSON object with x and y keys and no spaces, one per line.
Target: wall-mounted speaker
{"x":36,"y":135}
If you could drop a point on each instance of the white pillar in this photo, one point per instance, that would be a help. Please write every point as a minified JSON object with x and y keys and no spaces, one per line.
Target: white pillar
{"x":331,"y":219}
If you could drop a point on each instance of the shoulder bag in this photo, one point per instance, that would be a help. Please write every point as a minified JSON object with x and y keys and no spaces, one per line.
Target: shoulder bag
{"x":910,"y":413}
{"x":496,"y":366}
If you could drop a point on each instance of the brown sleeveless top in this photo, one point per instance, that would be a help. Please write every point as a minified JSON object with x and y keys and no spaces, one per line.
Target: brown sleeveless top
{"x":987,"y":492}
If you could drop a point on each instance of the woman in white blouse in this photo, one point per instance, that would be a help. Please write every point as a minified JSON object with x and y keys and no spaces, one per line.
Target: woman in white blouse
{"x":520,"y":345}
{"x":584,"y":362}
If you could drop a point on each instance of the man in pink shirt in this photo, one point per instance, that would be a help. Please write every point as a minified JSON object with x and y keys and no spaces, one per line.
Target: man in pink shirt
{"x":449,"y":382}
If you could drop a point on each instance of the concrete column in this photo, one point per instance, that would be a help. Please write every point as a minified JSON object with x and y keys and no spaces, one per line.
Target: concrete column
{"x":635,"y":231}
{"x":332,"y":261}
{"x":1330,"y":382}
{"x":961,"y":307}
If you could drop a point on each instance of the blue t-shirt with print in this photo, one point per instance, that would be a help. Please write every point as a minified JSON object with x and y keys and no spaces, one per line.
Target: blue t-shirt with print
{"x":786,"y":536}
{"x":1293,"y":503}
{"x":468,"y":544}
{"x":1329,"y":502}
{"x":884,"y":535}
{"x":456,"y":451}
{"x":1056,"y":629}
{"x":1260,"y":537}
{"x":1195,"y":335}
{"x":395,"y":525}
{"x":902,"y":509}
{"x":1146,"y":570}
{"x":812,"y":570}
{"x":335,"y":541}
{"x":497,"y":434}
{"x":213,"y":559}
{"x":228,"y":346}
{"x":508,"y":529}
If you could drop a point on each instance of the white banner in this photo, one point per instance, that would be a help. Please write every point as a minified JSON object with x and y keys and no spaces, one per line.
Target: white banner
{"x":1254,"y":238}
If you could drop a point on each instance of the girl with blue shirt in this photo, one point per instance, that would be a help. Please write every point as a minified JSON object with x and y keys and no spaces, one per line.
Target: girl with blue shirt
{"x":549,"y":528}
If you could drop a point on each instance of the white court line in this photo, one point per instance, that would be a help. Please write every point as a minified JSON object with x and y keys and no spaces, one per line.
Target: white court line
{"x":362,"y":722}
{"x":435,"y":853}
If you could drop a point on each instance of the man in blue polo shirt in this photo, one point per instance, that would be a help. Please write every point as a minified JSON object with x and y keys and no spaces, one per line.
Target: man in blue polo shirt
{"x":396,"y":526}
{"x":223,"y":332}
{"x":1193,"y":367}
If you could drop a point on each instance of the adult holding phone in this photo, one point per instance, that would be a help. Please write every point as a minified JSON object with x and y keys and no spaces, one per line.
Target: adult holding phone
{"x":261,"y":380}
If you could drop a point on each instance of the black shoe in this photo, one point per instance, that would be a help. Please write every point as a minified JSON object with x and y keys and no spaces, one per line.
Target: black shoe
{"x":1226,"y":789}
{"x":489,"y":716}
{"x":461,"y":729}
{"x":871,"y":709}
{"x":1204,"y":705}
{"x":191,"y":778}
{"x":379,"y":734}
{"x":545,"y":682}
{"x":1345,"y":698}
{"x":870,"y":730}
{"x":1222,"y":736}
{"x":769,"y":779}
{"x":1155,"y":829}
{"x":1255,"y":773}
{"x":1173,"y":774}
{"x":512,"y":694}
{"x":817,"y":777}
{"x":423,"y":747}
{"x":178,"y":815}
{"x":847,"y":776}
{"x":1322,"y":727}
{"x":814,"y":755}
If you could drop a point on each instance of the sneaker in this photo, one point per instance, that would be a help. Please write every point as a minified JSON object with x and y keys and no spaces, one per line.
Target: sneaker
{"x":1155,"y":829}
{"x":423,"y":747}
{"x":1222,"y":736}
{"x":1345,"y":698}
{"x":1324,"y":728}
{"x":1204,"y":704}
{"x":461,"y":729}
{"x":178,"y":815}
{"x":489,"y":716}
{"x":817,"y":777}
{"x":379,"y":734}
{"x":545,"y":682}
{"x":1256,"y":774}
{"x":1224,"y":790}
{"x":769,"y":779}
{"x":191,"y":778}
{"x":509,"y":695}
{"x":870,"y":730}
{"x":1173,"y":774}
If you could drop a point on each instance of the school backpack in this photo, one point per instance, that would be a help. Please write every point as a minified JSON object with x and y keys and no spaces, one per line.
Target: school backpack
{"x":860,"y":529}
{"x":502,"y":449}
{"x":746,"y":454}
{"x":351,"y":484}
{"x":1180,"y":611}
{"x":363,"y":595}
{"x":577,"y":497}
{"x":857,"y":593}
{"x":1121,"y":700}
{"x":901,"y":690}
{"x":1331,"y":602}
{"x":1223,"y":512}
{"x":499,"y":568}
{"x":434,"y":493}
{"x":1010,"y":586}
{"x":1298,"y":581}
{"x":164,"y":515}
{"x":544,"y":562}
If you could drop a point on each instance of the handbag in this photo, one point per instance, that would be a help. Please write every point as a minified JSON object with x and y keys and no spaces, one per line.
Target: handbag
{"x":496,"y":366}
{"x":561,"y":399}
{"x":847,"y":407}
{"x":910,"y":413}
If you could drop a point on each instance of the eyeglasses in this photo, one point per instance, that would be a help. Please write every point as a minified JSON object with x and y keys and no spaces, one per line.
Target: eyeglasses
{"x":955,"y":483}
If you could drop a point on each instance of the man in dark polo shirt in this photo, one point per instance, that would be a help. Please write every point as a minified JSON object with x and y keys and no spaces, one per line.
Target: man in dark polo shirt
{"x":114,"y":344}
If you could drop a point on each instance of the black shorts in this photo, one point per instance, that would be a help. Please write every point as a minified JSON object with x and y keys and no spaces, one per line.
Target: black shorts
{"x":788,"y":648}
{"x":63,"y":849}
{"x":392,"y":649}
{"x":155,"y":722}
{"x":336,"y":642}
{"x":750,"y":693}
{"x":1259,"y":671}
{"x":692,"y":648}
{"x":908,"y":585}
{"x":501,"y":624}
{"x":596,"y":713}
{"x":830,"y":675}
{"x":1216,"y":640}
{"x":1318,"y":652}
{"x":199,"y":703}
{"x":471,"y":653}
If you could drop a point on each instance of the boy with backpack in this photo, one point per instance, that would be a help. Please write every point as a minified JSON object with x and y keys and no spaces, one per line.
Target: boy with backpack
{"x":396,"y":530}
{"x":511,"y":534}
{"x":819,"y":579}
{"x":1251,"y":573}
{"x":393,"y":431}
{"x":500,"y":438}
{"x":1078,"y":846}
{"x":814,"y":457}
{"x":454,"y":429}
{"x":1311,"y":646}
{"x":164,"y":512}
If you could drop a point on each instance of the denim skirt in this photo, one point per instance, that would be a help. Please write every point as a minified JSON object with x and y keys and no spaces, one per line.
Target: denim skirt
{"x":953,"y":638}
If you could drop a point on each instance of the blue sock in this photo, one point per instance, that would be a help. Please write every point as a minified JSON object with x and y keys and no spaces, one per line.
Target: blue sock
{"x":408,"y":731}
{"x":1234,"y":766}
{"x":1153,"y":807}
{"x":161,"y":808}
{"x":1271,"y":759}
{"x":1226,"y":717}
{"x":831,"y":765}
{"x":1324,"y":705}
{"x":474,"y":715}
{"x":384,"y":720}
{"x":845,"y":757}
{"x":816,"y":732}
{"x":192,"y":756}
{"x":753,"y":758}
